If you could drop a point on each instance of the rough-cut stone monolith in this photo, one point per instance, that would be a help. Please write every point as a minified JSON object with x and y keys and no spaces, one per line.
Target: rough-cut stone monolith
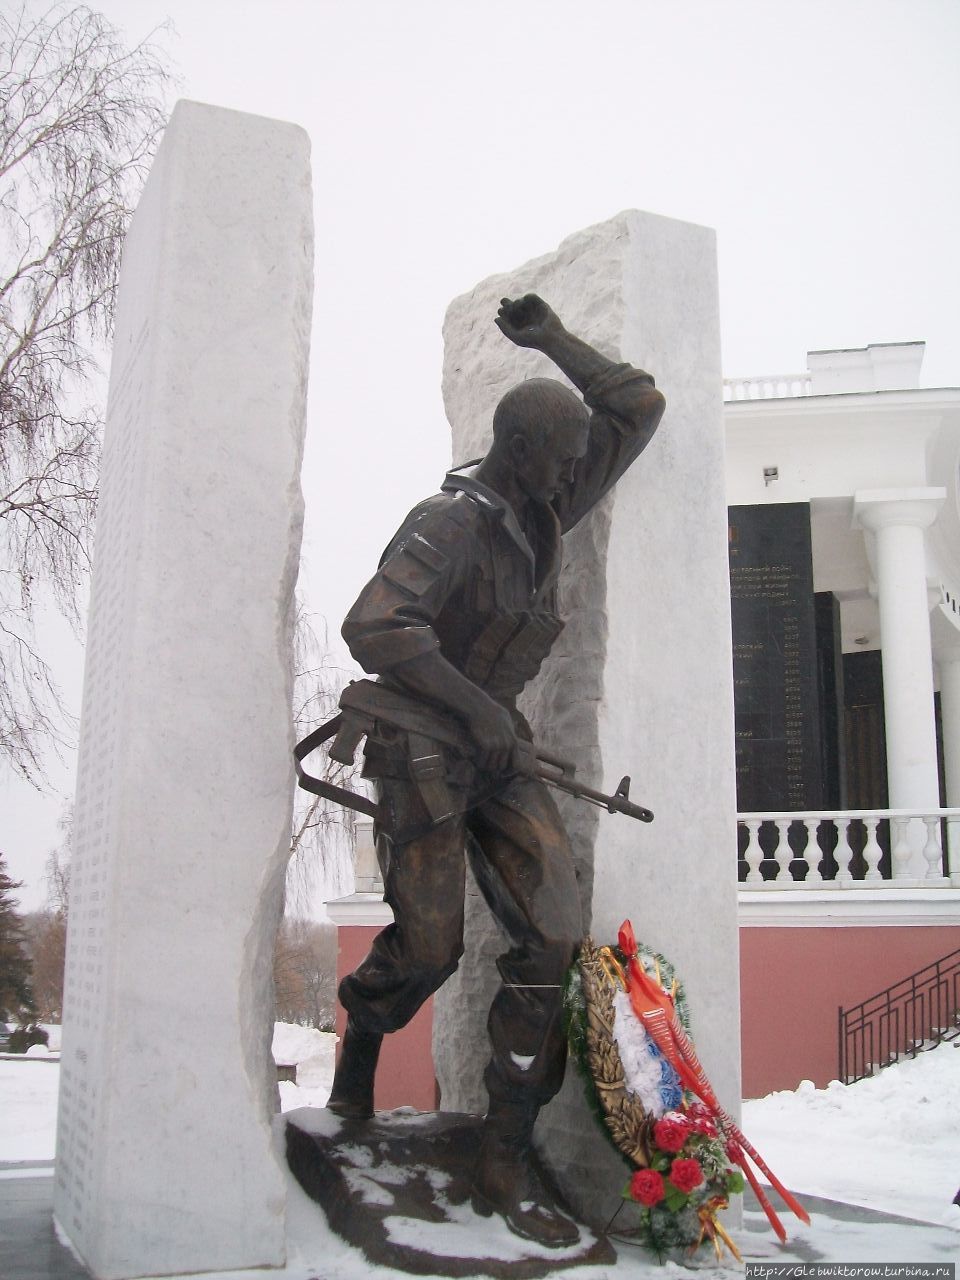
{"x":640,"y":680}
{"x":165,"y":1162}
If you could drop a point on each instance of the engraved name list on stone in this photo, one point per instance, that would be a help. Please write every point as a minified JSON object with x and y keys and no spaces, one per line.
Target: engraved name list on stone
{"x":179,"y":864}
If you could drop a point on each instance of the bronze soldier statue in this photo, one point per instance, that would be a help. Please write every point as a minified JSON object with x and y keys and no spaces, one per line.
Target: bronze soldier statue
{"x":459,"y":616}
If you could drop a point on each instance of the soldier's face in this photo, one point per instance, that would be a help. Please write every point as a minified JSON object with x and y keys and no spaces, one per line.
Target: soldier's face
{"x":546,"y":466}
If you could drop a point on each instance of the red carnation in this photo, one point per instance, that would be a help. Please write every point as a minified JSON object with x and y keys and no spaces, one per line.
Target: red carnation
{"x":670,"y":1134}
{"x":685,"y":1175}
{"x":646,"y":1186}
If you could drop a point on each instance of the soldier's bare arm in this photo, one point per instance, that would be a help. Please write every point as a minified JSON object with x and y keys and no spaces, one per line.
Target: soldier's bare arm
{"x":626,"y":405}
{"x":531,"y":322}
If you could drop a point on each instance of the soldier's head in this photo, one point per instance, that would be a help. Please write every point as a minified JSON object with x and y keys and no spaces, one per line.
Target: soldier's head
{"x":541,"y":428}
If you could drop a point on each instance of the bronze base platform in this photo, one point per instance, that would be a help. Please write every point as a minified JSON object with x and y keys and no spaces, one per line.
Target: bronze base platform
{"x":397,"y":1187}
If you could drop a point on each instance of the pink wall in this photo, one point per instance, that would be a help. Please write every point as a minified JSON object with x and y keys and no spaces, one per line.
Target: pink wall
{"x":405,"y":1075}
{"x":792,"y":981}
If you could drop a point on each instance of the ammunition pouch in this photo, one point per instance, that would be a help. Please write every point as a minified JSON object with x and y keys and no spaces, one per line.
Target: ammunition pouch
{"x":510,"y":650}
{"x":428,"y":772}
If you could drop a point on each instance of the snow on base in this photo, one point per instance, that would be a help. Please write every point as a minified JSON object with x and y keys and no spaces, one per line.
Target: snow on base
{"x":314,"y":1250}
{"x":454,"y":1229}
{"x":890,"y":1143}
{"x":464,"y":1235}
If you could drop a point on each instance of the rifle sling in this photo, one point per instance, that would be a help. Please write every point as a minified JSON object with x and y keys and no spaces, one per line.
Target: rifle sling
{"x":328,"y":790}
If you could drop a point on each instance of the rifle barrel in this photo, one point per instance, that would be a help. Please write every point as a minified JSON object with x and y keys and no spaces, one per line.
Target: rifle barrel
{"x":613,"y":804}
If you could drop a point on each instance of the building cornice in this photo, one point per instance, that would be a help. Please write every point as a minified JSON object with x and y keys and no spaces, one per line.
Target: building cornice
{"x":360,"y":909}
{"x":789,"y":909}
{"x":927,"y":399}
{"x":848,"y":908}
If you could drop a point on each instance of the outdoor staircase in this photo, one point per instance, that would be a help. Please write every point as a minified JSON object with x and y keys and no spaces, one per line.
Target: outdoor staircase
{"x":911,"y":1016}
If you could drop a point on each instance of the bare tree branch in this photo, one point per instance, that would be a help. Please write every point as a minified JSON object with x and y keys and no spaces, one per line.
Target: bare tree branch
{"x":322,"y":840}
{"x":80,"y":117}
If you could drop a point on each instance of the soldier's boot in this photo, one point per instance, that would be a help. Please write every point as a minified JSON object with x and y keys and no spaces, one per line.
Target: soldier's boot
{"x":505,"y":1183}
{"x":352,"y":1093}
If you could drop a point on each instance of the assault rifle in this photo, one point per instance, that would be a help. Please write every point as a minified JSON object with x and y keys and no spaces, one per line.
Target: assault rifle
{"x":368,"y":709}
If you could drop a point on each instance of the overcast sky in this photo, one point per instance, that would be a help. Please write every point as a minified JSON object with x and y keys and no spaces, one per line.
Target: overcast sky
{"x":457,"y":138}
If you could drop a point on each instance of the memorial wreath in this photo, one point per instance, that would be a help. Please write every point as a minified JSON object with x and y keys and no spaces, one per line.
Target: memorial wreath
{"x":629,"y":1033}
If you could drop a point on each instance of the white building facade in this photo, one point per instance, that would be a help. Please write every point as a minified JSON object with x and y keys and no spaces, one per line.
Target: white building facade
{"x":870,"y":461}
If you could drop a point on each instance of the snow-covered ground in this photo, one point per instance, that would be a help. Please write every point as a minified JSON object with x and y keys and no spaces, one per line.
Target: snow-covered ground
{"x":28,"y":1108}
{"x":890,"y":1144}
{"x":29,"y":1084}
{"x":292,"y":1043}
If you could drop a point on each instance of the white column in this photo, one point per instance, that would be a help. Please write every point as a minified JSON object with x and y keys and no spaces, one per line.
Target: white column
{"x":898,"y":518}
{"x":949,"y":664}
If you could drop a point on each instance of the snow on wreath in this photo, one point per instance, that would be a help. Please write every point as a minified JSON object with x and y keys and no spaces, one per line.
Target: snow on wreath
{"x":628,"y":1026}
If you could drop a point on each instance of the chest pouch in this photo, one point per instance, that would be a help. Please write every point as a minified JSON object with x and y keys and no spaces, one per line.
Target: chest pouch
{"x":510,"y":650}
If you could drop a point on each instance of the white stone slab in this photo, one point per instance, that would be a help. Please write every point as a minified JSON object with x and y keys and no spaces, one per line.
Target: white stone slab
{"x":640,"y":681}
{"x":165,"y":1158}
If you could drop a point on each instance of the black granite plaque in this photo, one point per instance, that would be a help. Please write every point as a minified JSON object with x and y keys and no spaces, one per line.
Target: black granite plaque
{"x":865,"y":751}
{"x":775,"y":673}
{"x":833,"y":761}
{"x":865,"y":738}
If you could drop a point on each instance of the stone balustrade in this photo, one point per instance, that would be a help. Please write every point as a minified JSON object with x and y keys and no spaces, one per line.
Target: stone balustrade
{"x":770,"y":386}
{"x":853,"y":849}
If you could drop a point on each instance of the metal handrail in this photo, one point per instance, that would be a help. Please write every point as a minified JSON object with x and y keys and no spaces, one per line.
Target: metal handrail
{"x":910,"y":1016}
